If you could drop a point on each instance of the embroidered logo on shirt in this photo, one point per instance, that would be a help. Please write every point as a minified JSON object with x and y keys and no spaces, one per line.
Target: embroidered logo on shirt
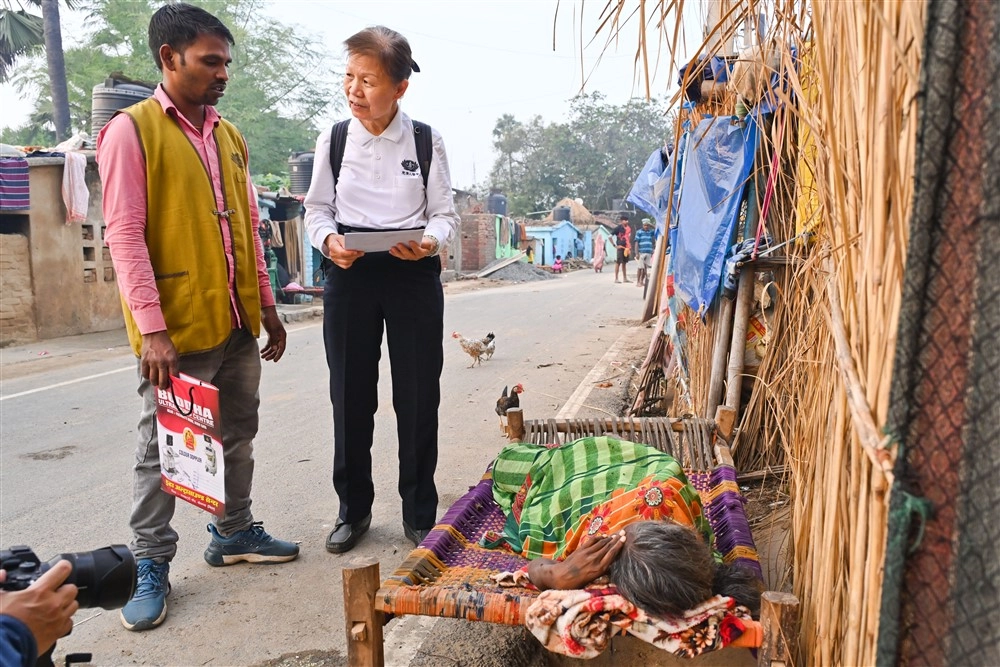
{"x":409,"y":167}
{"x":238,"y":159}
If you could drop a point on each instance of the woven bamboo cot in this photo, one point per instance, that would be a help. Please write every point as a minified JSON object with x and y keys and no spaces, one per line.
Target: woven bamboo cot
{"x":449,"y":574}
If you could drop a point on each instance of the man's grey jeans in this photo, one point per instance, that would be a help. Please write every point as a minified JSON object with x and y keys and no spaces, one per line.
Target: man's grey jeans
{"x":233,"y":367}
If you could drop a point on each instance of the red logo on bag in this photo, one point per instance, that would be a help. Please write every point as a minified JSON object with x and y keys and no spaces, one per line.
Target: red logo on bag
{"x":189,"y":439}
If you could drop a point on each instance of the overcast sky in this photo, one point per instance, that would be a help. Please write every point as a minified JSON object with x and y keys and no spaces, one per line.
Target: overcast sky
{"x":479,"y":59}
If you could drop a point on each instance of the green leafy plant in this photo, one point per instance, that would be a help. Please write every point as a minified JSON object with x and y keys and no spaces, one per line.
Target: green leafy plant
{"x":273,"y":182}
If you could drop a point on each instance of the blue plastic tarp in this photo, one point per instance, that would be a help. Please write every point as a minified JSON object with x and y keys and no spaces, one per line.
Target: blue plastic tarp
{"x":650,"y":190}
{"x":717,"y":162}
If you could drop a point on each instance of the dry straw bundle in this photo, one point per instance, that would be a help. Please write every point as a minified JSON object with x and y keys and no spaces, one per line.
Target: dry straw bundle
{"x":822,"y":392}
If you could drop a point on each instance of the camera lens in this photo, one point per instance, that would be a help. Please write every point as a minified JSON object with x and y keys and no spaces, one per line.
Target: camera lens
{"x":105,"y":577}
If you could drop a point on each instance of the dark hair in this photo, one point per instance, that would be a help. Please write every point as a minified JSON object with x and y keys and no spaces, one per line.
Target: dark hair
{"x":179,"y":24}
{"x":623,"y":216}
{"x":666,"y":569}
{"x":388,"y":47}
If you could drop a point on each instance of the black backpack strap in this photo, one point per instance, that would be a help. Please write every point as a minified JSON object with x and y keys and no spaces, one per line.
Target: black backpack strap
{"x":422,"y":137}
{"x":338,"y":139}
{"x":425,"y":147}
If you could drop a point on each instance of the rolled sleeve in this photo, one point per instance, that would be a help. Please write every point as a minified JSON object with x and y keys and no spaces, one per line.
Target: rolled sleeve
{"x":321,"y":201}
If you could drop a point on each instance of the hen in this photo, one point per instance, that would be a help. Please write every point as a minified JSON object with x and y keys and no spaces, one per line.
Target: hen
{"x":477,"y":348}
{"x":491,"y":345}
{"x":506,"y":402}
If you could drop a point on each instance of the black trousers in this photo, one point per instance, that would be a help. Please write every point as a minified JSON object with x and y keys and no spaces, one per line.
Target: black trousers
{"x":406,"y":298}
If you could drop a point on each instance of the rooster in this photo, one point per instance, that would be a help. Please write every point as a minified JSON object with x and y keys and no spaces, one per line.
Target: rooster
{"x":477,"y":348}
{"x":505,"y":403}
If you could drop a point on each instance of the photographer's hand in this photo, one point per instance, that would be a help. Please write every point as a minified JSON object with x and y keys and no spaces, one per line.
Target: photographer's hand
{"x":46,"y":607}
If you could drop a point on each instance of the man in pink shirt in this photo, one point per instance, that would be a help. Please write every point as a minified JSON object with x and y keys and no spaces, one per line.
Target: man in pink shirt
{"x":181,"y":220}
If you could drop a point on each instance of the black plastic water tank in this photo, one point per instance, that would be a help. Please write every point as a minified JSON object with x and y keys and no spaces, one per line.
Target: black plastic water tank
{"x":112,"y":95}
{"x":300,"y":171}
{"x":497,"y":204}
{"x":560,"y":213}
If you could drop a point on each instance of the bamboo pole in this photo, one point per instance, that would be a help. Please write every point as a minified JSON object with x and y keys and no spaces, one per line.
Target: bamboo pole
{"x":738,"y":345}
{"x":723,"y":330}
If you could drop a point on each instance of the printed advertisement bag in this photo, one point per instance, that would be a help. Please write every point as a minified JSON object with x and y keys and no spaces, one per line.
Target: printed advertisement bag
{"x":190,"y":440}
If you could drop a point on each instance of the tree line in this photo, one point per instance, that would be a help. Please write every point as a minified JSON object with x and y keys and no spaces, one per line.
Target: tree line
{"x":281,"y":81}
{"x":596,"y":155}
{"x":282,"y":84}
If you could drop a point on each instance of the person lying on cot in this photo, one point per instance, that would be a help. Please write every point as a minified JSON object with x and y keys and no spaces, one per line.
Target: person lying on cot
{"x":600,"y":506}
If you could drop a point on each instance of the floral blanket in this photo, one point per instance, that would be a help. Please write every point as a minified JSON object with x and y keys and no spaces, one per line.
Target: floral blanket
{"x":580,"y":623}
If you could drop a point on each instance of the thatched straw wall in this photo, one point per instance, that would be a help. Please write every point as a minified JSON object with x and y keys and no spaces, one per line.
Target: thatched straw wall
{"x":847,"y":172}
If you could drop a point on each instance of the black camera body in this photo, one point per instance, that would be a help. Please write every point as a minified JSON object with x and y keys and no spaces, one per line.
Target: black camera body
{"x":104,"y":577}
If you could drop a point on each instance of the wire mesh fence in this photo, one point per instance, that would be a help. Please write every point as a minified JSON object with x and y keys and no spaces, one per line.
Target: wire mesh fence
{"x":941,"y":593}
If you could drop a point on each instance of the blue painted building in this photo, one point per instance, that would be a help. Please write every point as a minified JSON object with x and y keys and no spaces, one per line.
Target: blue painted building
{"x":554,"y":238}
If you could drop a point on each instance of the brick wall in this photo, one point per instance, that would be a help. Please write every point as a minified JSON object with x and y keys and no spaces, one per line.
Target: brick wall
{"x":479,"y":240}
{"x":17,"y":301}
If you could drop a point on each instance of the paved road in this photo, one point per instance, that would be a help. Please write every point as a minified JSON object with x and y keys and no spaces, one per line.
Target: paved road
{"x":66,"y":439}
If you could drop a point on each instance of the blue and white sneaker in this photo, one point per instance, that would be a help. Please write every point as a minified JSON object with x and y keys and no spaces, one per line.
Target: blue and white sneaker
{"x":252,"y":545}
{"x":148,"y":607}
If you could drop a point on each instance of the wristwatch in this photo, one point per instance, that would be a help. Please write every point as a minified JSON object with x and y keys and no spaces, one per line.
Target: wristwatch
{"x":437,"y":245}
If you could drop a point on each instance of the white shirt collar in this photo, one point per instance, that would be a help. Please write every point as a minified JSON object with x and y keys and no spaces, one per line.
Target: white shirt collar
{"x":393,"y":133}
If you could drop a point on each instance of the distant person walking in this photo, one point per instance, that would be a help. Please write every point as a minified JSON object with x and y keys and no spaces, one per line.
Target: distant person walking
{"x":599,"y":254}
{"x":182,"y":229}
{"x":644,"y":245}
{"x":381,"y":188}
{"x":621,"y":233}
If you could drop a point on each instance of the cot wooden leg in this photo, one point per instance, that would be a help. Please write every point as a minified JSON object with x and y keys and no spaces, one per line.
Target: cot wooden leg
{"x":364,"y":623}
{"x":779,"y":618}
{"x":515,"y":425}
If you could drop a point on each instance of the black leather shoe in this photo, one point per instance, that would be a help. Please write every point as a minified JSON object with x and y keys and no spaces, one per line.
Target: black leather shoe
{"x":344,"y":536}
{"x":415,"y":535}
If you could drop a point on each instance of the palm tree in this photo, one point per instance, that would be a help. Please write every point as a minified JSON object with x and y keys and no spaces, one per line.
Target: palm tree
{"x":21,"y":32}
{"x":57,"y":66}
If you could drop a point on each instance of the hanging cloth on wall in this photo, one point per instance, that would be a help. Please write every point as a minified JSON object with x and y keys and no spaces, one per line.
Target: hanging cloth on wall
{"x":75,"y":194}
{"x":14,"y":184}
{"x":293,"y":248}
{"x":503,"y":237}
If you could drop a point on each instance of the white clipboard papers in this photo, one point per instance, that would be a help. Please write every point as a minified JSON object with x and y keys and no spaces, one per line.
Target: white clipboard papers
{"x":380,"y":241}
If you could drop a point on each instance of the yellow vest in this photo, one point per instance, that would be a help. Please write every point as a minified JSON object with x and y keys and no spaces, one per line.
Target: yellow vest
{"x":183,"y":234}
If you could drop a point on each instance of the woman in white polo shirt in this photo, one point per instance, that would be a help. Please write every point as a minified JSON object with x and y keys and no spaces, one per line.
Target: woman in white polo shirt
{"x":381,"y":188}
